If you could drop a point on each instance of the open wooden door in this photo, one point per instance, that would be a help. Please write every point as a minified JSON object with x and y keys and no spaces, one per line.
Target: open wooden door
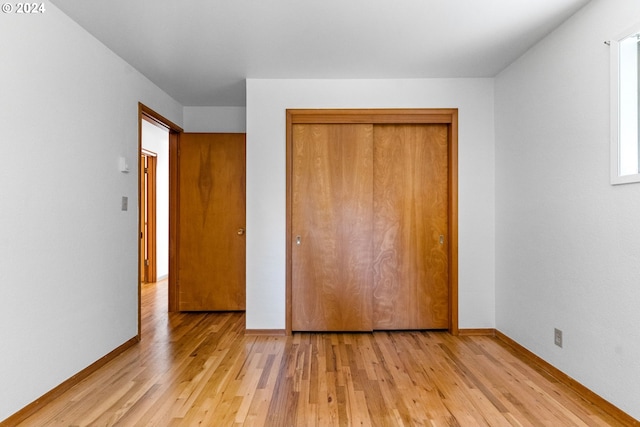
{"x":211,"y":222}
{"x":148,"y":164}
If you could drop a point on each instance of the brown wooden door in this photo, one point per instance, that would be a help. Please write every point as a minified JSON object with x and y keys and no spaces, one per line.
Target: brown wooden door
{"x":142,"y":251}
{"x":332,"y":193}
{"x":211,"y":221}
{"x":148,"y":166}
{"x":410,"y":288}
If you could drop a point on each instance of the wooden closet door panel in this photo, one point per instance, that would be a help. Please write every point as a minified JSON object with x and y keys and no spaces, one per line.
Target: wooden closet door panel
{"x":410,"y":215}
{"x":332,"y":190}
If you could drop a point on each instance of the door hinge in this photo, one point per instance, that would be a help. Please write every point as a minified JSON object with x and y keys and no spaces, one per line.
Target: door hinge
{"x":146,"y":262}
{"x":146,"y":170}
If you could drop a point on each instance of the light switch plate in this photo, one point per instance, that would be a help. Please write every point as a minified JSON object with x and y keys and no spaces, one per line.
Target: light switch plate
{"x":123,"y":165}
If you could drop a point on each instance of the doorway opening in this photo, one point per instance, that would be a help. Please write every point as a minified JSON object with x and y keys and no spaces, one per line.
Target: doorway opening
{"x":157,"y":148}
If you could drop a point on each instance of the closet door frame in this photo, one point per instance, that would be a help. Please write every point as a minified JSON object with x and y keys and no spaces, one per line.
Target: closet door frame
{"x":447,"y":116}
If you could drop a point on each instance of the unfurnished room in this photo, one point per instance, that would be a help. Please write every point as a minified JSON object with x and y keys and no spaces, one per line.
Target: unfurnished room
{"x":320,"y":213}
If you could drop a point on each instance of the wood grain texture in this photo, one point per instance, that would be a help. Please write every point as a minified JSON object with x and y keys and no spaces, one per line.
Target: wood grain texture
{"x":449,"y":117}
{"x":545,"y":369}
{"x":200,"y":369}
{"x":174,"y":142}
{"x":211,"y":252}
{"x":372,"y":116}
{"x":142,"y":220}
{"x":453,"y":223}
{"x":152,"y":205}
{"x":53,"y":395}
{"x":468,"y":332}
{"x":148,"y":264}
{"x":331,"y":214}
{"x":411,"y":282}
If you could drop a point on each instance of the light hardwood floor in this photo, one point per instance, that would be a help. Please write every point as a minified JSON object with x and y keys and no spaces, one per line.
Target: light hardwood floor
{"x":201,"y":370}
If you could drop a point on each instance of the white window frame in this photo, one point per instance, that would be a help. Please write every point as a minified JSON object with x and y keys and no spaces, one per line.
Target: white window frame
{"x":618,"y":176}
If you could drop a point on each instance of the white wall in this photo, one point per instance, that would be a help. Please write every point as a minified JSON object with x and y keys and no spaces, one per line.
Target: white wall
{"x":215,"y":119}
{"x":568,"y":243}
{"x":267,"y":101}
{"x":156,"y":140}
{"x":68,"y":254}
{"x":565,"y":247}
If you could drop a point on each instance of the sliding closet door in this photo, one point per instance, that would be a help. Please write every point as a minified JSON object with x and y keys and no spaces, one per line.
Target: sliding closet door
{"x":331,"y":218}
{"x":411,"y":283}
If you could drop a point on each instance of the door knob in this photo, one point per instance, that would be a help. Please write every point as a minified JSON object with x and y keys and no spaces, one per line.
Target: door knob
{"x":240,"y":231}
{"x":298,"y":240}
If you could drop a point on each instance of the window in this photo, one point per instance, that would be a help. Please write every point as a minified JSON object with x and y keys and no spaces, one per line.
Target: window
{"x":625,"y":108}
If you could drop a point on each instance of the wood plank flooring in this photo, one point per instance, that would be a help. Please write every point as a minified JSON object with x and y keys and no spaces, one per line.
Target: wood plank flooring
{"x":194,"y":369}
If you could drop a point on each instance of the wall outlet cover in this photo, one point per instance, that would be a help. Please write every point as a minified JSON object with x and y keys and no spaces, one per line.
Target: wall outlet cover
{"x":557,"y":337}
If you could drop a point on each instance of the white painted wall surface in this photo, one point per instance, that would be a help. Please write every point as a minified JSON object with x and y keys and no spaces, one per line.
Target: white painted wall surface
{"x":156,"y":140}
{"x":215,"y":119}
{"x":267,"y":101}
{"x":568,"y":243}
{"x":68,"y":254}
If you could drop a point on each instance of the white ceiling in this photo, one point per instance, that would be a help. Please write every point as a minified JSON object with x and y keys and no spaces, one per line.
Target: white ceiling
{"x":201,"y":51}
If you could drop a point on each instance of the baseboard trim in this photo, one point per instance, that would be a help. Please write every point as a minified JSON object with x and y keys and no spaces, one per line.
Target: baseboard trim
{"x":486,"y":332}
{"x":51,"y":395}
{"x":565,"y":379}
{"x":266,"y":332}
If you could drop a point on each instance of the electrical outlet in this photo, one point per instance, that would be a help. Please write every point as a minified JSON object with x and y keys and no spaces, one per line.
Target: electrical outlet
{"x":125,"y":203}
{"x":557,"y":337}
